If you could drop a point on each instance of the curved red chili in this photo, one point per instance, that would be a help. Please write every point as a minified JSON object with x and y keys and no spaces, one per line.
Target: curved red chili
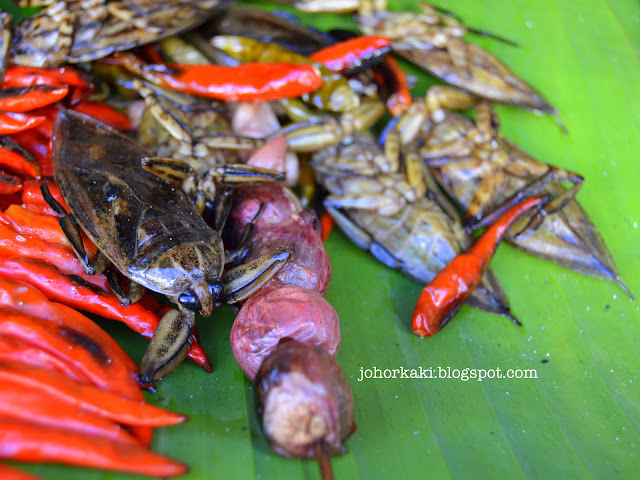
{"x":443,"y":297}
{"x":41,"y":226}
{"x":15,"y":350}
{"x":17,"y":122}
{"x":18,"y":159}
{"x":9,"y":183}
{"x":106,"y":114}
{"x":49,"y":412}
{"x":86,"y":396}
{"x":326,"y":225}
{"x":25,"y":298}
{"x":23,"y":99}
{"x":38,"y":142}
{"x":352,"y":53}
{"x":73,"y":347}
{"x":28,"y":76}
{"x":32,"y":193}
{"x":392,"y":83}
{"x":27,"y":442}
{"x":243,"y":83}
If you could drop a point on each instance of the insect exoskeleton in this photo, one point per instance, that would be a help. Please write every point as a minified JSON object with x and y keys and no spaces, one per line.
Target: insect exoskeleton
{"x":72,"y":31}
{"x":149,"y":231}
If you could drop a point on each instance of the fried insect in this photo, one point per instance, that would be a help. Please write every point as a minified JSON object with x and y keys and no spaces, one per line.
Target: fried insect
{"x":432,"y":39}
{"x":485,"y":173}
{"x":149,"y":231}
{"x":80,"y":31}
{"x":202,"y":147}
{"x":377,"y":208}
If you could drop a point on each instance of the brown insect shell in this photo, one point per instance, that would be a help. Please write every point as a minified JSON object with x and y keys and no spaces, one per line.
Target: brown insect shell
{"x":145,"y":226}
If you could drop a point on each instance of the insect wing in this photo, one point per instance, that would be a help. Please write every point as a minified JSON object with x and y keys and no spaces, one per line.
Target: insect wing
{"x":118,"y":204}
{"x":567,"y":237}
{"x":483,"y":75}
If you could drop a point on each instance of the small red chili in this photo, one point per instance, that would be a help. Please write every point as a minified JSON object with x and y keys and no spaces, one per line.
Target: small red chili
{"x":443,"y":297}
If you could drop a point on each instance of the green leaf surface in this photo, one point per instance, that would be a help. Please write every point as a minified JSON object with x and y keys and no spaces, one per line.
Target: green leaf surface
{"x":580,"y":417}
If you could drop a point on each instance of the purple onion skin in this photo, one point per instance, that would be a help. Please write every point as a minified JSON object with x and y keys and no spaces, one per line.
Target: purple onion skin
{"x":303,"y":398}
{"x":283,"y":223}
{"x":279,"y":205}
{"x":308,"y":265}
{"x":278,"y":311}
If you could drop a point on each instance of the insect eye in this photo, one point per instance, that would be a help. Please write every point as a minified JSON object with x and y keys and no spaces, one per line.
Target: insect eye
{"x":216,"y":289}
{"x":190,"y":301}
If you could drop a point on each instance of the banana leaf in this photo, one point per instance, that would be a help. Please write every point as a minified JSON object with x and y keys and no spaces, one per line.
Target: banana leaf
{"x":580,"y":417}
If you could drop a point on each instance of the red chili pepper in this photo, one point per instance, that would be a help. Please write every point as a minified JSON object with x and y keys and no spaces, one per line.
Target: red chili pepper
{"x":28,"y":76}
{"x":41,"y":226}
{"x":8,"y":199}
{"x":326,"y":225}
{"x":30,"y":406}
{"x":15,"y":350}
{"x":31,"y":192}
{"x":144,"y":435}
{"x":73,"y":347}
{"x":443,"y":297}
{"x":106,"y":114}
{"x":151,"y":54}
{"x":244,"y":83}
{"x":13,"y":244}
{"x":64,"y":289}
{"x":17,"y":122}
{"x":38,"y":143}
{"x":9,"y":183}
{"x":10,"y":473}
{"x":352,"y":53}
{"x":30,"y":443}
{"x":44,"y":209}
{"x":26,"y":298}
{"x":58,"y":287}
{"x":24,"y":99}
{"x":392,"y":84}
{"x":151,"y":303}
{"x":86,"y":396}
{"x":18,"y":159}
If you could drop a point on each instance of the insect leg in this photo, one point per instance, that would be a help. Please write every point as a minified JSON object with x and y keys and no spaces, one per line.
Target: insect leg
{"x":168,"y":347}
{"x":243,"y":244}
{"x":71,"y":230}
{"x":134,"y":293}
{"x":243,"y":280}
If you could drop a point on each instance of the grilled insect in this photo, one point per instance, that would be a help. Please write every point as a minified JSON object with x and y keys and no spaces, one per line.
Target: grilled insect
{"x":432,"y":40}
{"x":419,"y":237}
{"x":79,"y":31}
{"x":202,"y":147}
{"x":486,"y":173}
{"x":148,"y":230}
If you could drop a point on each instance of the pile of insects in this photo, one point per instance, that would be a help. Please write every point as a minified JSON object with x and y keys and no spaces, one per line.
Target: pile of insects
{"x":199,"y":151}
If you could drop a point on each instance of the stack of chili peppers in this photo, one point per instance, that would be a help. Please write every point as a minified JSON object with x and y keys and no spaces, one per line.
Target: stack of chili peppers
{"x":68,"y":392}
